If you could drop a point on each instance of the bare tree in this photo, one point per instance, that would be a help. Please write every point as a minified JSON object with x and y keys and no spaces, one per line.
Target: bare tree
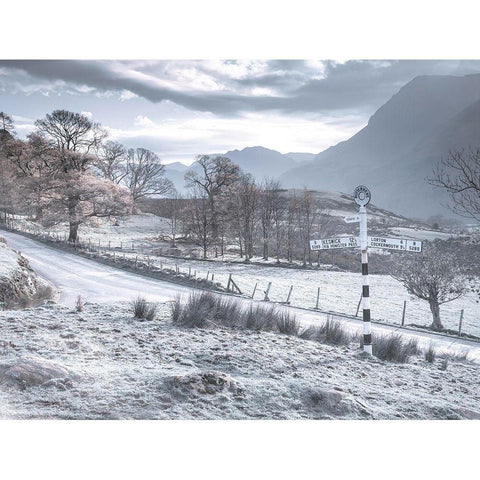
{"x":111,"y":161}
{"x":216,"y":175}
{"x":459,"y":175}
{"x":291,"y":225}
{"x":307,"y":212}
{"x":198,"y":222}
{"x":144,"y":174}
{"x":433,"y":276}
{"x":172,"y":210}
{"x":72,"y":131}
{"x":244,"y":208}
{"x":269,"y":203}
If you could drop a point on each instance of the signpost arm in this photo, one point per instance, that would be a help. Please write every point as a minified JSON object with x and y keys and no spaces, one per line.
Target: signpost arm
{"x":367,"y":326}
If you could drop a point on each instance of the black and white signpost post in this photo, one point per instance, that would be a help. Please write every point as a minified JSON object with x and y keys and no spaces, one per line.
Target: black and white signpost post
{"x":362,"y":198}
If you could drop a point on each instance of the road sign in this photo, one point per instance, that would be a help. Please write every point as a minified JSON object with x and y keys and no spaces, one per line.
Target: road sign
{"x":395,"y":244}
{"x":414,"y":246}
{"x":362,"y":195}
{"x":329,"y":243}
{"x":352,"y":219}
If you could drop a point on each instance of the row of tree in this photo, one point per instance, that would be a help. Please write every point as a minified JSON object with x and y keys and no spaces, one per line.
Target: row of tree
{"x":226,"y":206}
{"x":66,"y":170}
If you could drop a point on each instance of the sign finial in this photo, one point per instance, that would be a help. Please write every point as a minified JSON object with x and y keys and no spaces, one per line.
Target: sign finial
{"x":362,"y":195}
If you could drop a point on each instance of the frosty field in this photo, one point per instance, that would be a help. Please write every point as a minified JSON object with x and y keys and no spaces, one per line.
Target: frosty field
{"x":339,"y":291}
{"x":123,"y":368}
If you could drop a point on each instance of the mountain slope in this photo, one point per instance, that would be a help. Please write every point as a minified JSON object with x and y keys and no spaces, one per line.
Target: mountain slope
{"x":399,"y":147}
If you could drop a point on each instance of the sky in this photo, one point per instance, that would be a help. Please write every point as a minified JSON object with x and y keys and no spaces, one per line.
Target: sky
{"x":183,"y":108}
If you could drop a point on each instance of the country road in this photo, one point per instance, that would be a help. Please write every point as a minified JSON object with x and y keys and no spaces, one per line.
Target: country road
{"x":74,"y":275}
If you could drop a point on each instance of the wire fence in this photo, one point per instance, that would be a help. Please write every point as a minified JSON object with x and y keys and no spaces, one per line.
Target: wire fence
{"x":270,"y":284}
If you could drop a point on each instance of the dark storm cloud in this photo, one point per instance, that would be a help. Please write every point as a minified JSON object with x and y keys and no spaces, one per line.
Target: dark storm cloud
{"x":360,"y":86}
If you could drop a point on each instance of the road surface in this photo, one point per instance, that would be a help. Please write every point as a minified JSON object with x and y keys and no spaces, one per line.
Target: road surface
{"x":74,"y":275}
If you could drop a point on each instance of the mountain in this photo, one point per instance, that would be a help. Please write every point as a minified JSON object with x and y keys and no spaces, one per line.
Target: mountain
{"x":395,"y":153}
{"x":261,"y":162}
{"x":175,"y":172}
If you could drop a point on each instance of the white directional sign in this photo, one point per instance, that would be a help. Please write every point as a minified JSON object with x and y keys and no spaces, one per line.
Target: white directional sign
{"x":395,"y":244}
{"x":329,"y":243}
{"x":401,"y":244}
{"x":352,"y":219}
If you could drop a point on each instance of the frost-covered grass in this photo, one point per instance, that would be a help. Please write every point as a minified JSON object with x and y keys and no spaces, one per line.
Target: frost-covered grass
{"x":122,"y":368}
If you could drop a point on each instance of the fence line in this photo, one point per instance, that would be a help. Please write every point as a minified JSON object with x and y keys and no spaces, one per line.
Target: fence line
{"x":109,"y":250}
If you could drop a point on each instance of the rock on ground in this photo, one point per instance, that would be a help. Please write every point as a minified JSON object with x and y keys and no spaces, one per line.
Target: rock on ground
{"x":206,"y":383}
{"x":31,"y":371}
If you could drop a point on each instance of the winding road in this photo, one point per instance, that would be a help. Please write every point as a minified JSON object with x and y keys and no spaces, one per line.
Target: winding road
{"x":75,"y":275}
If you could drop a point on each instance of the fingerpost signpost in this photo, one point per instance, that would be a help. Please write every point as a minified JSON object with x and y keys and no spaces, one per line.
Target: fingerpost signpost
{"x":362,"y":198}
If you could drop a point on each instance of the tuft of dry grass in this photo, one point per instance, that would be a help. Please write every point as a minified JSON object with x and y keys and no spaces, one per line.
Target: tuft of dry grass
{"x":207,"y":309}
{"x":394,"y":348}
{"x":79,"y":304}
{"x":144,"y":310}
{"x":430,"y":353}
{"x":334,"y":333}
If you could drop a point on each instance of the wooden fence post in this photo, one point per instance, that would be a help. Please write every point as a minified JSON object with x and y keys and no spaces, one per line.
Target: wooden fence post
{"x":254,"y":289}
{"x":460,"y":325}
{"x":267,"y":291}
{"x":289,"y":293}
{"x":318,"y":298}
{"x":358,"y":306}
{"x":403,"y":313}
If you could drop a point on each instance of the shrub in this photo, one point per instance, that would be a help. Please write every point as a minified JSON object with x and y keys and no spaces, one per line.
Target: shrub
{"x":195,"y":312}
{"x":333,"y":332}
{"x":261,"y":318}
{"x":288,"y":324}
{"x":394,"y":348}
{"x":207,"y":309}
{"x":79,"y":304}
{"x":430,"y":354}
{"x":144,"y":310}
{"x":310,"y":333}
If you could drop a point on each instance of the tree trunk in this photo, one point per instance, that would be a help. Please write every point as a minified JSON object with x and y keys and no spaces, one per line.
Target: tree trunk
{"x":435,"y":309}
{"x":72,"y":238}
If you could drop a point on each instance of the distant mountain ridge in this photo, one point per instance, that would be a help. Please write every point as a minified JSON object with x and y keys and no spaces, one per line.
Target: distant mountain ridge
{"x":397,"y":150}
{"x":259,"y":161}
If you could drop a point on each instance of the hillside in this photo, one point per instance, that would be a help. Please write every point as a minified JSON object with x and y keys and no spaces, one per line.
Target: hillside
{"x":397,"y":150}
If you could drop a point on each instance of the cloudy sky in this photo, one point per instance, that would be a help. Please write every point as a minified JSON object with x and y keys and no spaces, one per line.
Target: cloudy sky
{"x":182,"y":108}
